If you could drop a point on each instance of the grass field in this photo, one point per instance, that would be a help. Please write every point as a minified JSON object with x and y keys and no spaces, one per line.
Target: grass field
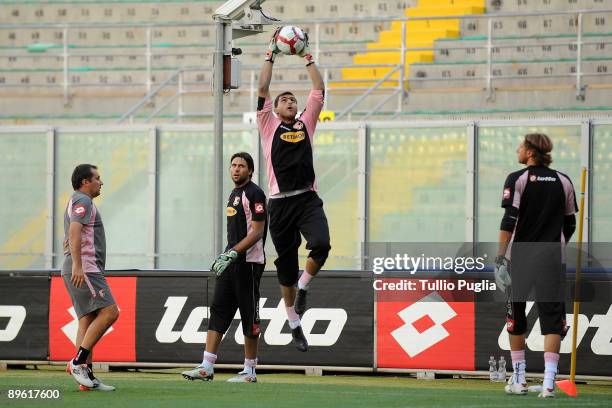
{"x":166,"y":388}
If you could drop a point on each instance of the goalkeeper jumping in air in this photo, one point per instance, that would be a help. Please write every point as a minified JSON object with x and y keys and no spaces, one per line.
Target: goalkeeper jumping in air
{"x":294,"y":206}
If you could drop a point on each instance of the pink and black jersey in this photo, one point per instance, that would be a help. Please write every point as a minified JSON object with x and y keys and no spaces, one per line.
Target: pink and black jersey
{"x":288,"y":147}
{"x":245,"y":205}
{"x":543,"y":197}
{"x":81,"y":209}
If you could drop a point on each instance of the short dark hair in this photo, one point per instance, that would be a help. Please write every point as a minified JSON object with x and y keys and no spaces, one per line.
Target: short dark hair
{"x":80,"y":173}
{"x":279,"y":96}
{"x":247,"y":158}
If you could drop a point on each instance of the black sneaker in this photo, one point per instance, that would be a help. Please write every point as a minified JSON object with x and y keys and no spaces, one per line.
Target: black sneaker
{"x":299,"y":339}
{"x":300,"y":302}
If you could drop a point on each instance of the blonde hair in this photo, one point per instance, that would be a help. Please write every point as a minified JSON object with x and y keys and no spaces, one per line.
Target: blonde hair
{"x":541,"y":146}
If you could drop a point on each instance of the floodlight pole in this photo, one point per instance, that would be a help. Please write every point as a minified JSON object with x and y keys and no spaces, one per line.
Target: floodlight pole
{"x":250,"y":20}
{"x":218,"y":214}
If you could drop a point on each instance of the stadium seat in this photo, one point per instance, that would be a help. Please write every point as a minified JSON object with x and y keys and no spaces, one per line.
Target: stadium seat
{"x":471,"y":73}
{"x":418,"y":34}
{"x":520,"y":48}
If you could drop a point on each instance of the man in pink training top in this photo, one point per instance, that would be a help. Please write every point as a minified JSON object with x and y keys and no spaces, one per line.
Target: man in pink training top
{"x":295,"y":208}
{"x":83,"y":274}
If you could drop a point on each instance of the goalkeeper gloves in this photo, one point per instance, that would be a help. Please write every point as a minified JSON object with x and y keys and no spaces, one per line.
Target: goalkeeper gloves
{"x":305,"y":52}
{"x":502,"y":275}
{"x":223,"y":261}
{"x":272,"y":47}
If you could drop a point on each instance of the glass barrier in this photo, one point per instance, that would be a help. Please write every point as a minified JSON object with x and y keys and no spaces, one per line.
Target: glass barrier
{"x":125,"y":200}
{"x":601,"y":199}
{"x":418,"y":184}
{"x":185,"y":203}
{"x":23,"y":202}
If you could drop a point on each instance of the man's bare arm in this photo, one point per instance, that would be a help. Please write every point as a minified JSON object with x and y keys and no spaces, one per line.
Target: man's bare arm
{"x":265,"y":77}
{"x":252,"y":237}
{"x":315,"y":77}
{"x":74,"y":239}
{"x":504,"y":240}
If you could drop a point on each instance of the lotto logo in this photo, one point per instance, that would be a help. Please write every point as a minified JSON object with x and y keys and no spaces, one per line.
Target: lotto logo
{"x":423,"y":324}
{"x":79,"y":211}
{"x":119,"y":341}
{"x":430,"y":333}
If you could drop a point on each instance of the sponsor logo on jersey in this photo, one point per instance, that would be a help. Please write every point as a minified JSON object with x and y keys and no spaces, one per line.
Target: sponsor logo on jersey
{"x":236,"y":201}
{"x":259,"y":208}
{"x":79,"y":210}
{"x":506,"y":193}
{"x":293,"y":137}
{"x":231,"y":211}
{"x":533,"y":178}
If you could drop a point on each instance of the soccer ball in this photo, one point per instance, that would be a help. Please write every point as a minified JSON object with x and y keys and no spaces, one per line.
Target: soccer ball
{"x":290,"y":40}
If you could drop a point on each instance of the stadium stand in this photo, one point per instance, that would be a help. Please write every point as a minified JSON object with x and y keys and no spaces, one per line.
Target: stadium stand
{"x":110,"y":67}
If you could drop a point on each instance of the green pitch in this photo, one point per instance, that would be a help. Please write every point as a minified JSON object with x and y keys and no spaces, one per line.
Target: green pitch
{"x":166,"y":388}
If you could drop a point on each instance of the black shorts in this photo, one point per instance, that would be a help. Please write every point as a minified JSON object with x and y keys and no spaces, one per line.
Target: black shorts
{"x":537,"y":272}
{"x":237,"y":289}
{"x":552,"y":318}
{"x":289,"y":217}
{"x":538,"y":275}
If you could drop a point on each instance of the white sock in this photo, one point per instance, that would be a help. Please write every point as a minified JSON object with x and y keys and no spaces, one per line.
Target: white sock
{"x":519,"y":365}
{"x":519,"y":371}
{"x":304,"y":280}
{"x":551,"y":361}
{"x":209,"y":362}
{"x":249,"y":366}
{"x":292,"y":317}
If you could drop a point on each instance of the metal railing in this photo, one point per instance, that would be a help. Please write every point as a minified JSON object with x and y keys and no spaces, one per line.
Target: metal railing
{"x":149,"y":53}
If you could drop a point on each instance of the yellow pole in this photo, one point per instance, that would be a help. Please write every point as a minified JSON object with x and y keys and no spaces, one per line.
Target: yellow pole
{"x":577,"y":282}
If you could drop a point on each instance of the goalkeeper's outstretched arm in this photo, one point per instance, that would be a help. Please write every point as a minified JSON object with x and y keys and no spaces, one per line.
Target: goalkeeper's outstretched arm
{"x":265,"y":77}
{"x":263,"y":87}
{"x":315,"y":77}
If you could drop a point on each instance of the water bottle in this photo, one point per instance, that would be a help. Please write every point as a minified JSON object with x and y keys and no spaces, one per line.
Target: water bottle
{"x":501,"y":369}
{"x":492,"y":369}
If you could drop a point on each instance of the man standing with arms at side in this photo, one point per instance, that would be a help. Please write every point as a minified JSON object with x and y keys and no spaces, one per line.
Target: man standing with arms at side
{"x":295,"y":208}
{"x":539,"y":219}
{"x":238,"y":271}
{"x":83,"y":273}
